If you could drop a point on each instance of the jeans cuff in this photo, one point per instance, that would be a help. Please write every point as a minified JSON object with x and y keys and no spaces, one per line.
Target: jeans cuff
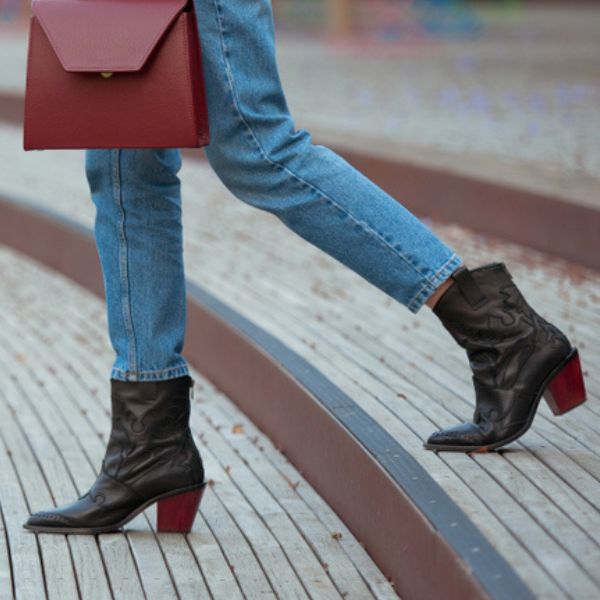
{"x":430,"y":285}
{"x":156,"y":375}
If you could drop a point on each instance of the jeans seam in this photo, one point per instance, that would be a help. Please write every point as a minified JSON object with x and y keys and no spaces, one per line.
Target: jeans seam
{"x":430,"y":286}
{"x":365,"y":226}
{"x":123,"y":261}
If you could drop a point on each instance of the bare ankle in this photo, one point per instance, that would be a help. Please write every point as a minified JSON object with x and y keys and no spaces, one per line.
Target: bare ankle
{"x":439,"y":291}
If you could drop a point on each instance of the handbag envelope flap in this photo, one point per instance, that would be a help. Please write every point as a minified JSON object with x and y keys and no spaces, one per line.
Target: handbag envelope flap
{"x":105,"y":35}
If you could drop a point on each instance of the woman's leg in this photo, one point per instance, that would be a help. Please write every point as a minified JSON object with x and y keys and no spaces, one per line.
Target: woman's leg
{"x":260,"y":156}
{"x":139,"y":240}
{"x":151,"y":451}
{"x":264,"y":161}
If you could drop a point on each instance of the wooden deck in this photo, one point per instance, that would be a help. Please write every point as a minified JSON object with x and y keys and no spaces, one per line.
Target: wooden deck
{"x":262,"y":531}
{"x":538,"y":501}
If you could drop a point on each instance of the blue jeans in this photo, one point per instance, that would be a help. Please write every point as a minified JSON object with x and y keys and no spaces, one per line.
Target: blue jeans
{"x":264,"y":161}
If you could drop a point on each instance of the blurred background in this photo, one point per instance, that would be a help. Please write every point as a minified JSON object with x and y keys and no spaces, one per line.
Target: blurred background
{"x":505,"y":92}
{"x":511,"y":80}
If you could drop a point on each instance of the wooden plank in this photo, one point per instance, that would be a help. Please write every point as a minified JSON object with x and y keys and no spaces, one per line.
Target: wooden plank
{"x":91,"y":571}
{"x":264,"y":546}
{"x":572,"y":449}
{"x":125,"y":581}
{"x":321,"y":590}
{"x":328,"y":332}
{"x":245,"y":294}
{"x":308,"y":569}
{"x":385,"y":414}
{"x":122,"y":580}
{"x":26,"y":563}
{"x":233,"y":542}
{"x":249,"y":443}
{"x":58,"y":571}
{"x":154,"y":574}
{"x":327,"y":545}
{"x":547,"y":550}
{"x":6,"y":588}
{"x":48,"y":338}
{"x":91,"y":581}
{"x":185,"y":570}
{"x":542,"y":501}
{"x":217,"y":572}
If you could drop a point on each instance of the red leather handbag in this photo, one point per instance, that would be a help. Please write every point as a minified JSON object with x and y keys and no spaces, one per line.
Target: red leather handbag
{"x":114,"y":74}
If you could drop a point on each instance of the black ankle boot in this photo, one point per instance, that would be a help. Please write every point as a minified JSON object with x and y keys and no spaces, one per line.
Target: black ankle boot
{"x":516,"y":357}
{"x":151,"y":457}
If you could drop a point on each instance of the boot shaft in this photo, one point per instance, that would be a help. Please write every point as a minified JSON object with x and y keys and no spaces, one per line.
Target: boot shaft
{"x":485,"y":305}
{"x":150,"y":410}
{"x":150,"y":437}
{"x":485,"y":312}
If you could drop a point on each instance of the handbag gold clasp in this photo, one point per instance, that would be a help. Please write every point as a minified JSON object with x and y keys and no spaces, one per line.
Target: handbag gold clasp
{"x":106,"y":74}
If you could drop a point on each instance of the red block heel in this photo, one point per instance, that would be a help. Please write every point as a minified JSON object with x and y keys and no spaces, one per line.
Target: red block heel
{"x":177,"y":513}
{"x":567,"y":388}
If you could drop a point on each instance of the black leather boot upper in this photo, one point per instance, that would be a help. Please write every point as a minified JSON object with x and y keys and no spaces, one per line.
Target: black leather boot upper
{"x":511,"y":350}
{"x":150,"y":452}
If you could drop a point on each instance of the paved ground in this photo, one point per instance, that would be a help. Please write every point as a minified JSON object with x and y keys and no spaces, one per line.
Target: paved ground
{"x":262,"y":531}
{"x":538,"y":502}
{"x":520,"y":105}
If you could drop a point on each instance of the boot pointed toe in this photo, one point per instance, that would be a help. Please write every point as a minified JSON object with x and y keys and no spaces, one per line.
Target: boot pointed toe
{"x":47,"y":519}
{"x":73,"y":517}
{"x":464,"y":436}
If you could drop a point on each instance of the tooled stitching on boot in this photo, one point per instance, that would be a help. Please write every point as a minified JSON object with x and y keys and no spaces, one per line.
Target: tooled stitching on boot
{"x":130,"y":431}
{"x":553,"y":333}
{"x":96,"y":495}
{"x":53,"y":517}
{"x":513,"y":311}
{"x":161,"y":433}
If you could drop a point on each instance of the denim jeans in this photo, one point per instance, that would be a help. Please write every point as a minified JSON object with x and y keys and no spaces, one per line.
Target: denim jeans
{"x":262,"y":159}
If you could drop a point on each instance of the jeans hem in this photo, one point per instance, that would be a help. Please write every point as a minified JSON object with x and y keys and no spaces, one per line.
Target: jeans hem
{"x":156,"y":375}
{"x":430,"y":285}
